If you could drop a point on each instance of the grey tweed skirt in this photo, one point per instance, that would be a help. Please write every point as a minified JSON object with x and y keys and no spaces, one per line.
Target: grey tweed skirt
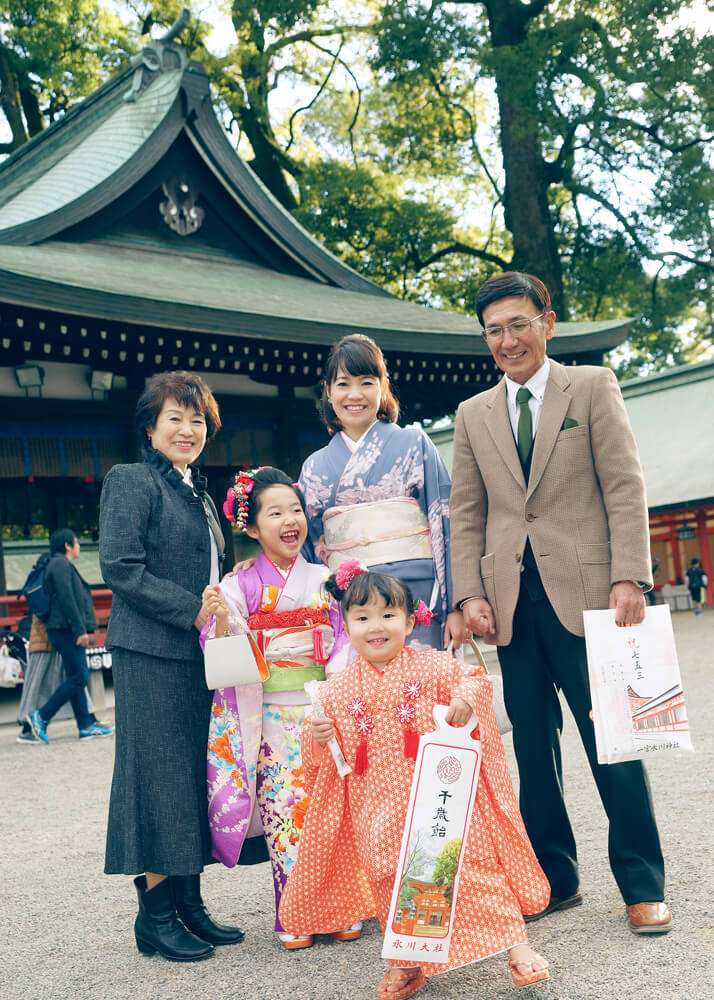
{"x":158,"y":813}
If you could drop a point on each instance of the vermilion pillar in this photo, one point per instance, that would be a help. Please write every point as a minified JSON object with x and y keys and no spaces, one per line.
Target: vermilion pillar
{"x":705,"y":554}
{"x":676,"y":557}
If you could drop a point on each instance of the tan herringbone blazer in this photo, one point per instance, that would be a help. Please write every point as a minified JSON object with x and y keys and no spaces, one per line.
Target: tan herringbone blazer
{"x":584,"y":508}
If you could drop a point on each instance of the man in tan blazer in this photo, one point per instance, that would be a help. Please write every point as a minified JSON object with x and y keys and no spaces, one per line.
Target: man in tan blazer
{"x":549,"y":518}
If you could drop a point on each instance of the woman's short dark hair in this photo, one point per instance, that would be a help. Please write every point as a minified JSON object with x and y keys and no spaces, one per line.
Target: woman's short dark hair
{"x":263,"y":480}
{"x":512,"y":284}
{"x":365,"y":587}
{"x":357,"y":355}
{"x":188,"y":389}
{"x":61,"y":538}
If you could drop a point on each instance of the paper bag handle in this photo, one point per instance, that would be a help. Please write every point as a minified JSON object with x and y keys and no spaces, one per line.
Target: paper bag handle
{"x":476,"y":648}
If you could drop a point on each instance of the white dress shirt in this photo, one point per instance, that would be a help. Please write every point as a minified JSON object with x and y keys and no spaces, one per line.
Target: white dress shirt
{"x":215,"y":574}
{"x":536,"y":385}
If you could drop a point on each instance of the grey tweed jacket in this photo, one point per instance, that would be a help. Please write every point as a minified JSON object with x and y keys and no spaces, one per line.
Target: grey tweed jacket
{"x":155,"y":555}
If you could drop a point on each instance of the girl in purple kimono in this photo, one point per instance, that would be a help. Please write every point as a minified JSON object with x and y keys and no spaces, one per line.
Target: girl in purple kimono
{"x":255,"y":775}
{"x":379,"y":493}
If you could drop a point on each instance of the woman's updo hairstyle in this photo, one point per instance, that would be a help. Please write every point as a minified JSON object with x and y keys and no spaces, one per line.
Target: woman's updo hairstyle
{"x":357,"y":355}
{"x":244,"y":498}
{"x":366,"y":586}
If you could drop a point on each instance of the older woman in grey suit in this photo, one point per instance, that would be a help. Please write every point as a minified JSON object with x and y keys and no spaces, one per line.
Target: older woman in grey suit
{"x":160,"y":546}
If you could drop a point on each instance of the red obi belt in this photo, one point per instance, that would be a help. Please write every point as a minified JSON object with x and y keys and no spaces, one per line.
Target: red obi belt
{"x":288,"y":619}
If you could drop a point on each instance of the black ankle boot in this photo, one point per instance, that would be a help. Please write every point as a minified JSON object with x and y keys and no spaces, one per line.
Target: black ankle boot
{"x":192,"y":910}
{"x":158,"y":928}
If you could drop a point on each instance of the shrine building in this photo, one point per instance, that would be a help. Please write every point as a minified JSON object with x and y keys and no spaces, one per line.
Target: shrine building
{"x":134,"y":239}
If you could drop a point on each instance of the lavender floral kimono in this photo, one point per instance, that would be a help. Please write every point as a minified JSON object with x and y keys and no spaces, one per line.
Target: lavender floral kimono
{"x":254,"y":738}
{"x":384,"y":500}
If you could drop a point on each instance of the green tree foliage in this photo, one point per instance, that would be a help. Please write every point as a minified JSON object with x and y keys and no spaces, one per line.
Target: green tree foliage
{"x":53,"y":52}
{"x":432,"y":142}
{"x":446,"y":865}
{"x":406,"y":895}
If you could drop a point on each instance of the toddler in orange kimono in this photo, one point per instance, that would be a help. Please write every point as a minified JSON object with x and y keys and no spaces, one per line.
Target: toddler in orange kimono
{"x":351,"y":839}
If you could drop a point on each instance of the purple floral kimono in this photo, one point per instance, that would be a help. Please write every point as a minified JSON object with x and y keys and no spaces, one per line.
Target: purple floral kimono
{"x":388,"y":462}
{"x":254,"y":769}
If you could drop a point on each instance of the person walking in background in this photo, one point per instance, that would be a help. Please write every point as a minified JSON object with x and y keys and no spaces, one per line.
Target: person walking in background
{"x":696,"y":581}
{"x":548,"y":519}
{"x":70,"y":623}
{"x":43,"y":674}
{"x":160,"y":545}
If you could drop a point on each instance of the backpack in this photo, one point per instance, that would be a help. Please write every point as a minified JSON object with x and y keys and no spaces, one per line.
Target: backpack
{"x":34,"y":590}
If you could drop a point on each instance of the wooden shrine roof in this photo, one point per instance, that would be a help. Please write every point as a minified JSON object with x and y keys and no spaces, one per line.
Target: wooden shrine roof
{"x":113,"y":281}
{"x":84,"y":231}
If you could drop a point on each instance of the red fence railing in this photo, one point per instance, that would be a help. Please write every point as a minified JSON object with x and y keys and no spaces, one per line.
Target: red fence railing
{"x":13,"y":608}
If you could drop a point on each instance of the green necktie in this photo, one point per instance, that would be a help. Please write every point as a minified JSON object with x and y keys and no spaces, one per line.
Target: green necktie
{"x":525,"y":423}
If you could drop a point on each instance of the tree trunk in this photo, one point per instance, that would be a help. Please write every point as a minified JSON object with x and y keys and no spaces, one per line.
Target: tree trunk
{"x":268,"y":162}
{"x":31,"y":108}
{"x":527,"y":214}
{"x":10,"y":99}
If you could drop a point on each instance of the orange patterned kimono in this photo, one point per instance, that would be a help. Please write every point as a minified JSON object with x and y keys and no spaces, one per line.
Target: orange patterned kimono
{"x":352,"y":835}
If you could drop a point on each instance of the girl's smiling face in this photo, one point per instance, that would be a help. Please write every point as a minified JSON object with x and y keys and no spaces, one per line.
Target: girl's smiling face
{"x":378,"y":630}
{"x":280,"y":527}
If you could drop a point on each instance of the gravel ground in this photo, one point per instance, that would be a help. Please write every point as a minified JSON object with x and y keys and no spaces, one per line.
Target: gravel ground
{"x":67,"y":927}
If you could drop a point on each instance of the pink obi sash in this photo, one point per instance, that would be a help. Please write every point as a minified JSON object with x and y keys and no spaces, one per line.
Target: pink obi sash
{"x":374,"y":533}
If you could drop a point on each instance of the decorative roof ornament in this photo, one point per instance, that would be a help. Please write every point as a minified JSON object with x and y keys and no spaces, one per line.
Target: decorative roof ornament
{"x":180,"y":211}
{"x":157,"y":57}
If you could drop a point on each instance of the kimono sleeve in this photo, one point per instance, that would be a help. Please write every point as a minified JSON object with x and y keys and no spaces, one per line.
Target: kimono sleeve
{"x":312,"y":756}
{"x":314,"y":515}
{"x":237,"y":610}
{"x":437,"y":489}
{"x":470,"y":682}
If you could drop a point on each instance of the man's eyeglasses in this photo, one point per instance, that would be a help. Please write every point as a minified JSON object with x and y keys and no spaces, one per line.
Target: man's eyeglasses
{"x":517,"y":327}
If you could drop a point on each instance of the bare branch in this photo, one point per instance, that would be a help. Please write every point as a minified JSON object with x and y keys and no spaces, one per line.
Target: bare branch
{"x":451,"y":103}
{"x":320,"y":91}
{"x":653,"y":132}
{"x":311,"y":33}
{"x":358,"y":91}
{"x":458,"y":247}
{"x":634,"y":235}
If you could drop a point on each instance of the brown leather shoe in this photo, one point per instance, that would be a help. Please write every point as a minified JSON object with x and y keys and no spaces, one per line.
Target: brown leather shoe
{"x":649,"y":918}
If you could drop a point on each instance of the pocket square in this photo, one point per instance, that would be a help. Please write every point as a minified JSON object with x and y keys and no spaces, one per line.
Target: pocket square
{"x":568,"y":423}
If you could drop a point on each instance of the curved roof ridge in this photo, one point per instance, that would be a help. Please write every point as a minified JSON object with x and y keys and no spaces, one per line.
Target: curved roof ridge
{"x":97,"y":156}
{"x":14,"y":161}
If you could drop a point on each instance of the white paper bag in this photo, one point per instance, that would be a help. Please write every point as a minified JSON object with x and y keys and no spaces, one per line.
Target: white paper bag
{"x":233,"y":660}
{"x":443,"y":793}
{"x":636,"y":687}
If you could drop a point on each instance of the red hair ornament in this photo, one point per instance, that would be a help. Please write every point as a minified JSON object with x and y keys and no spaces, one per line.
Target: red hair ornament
{"x":422,"y":614}
{"x":236,"y":504}
{"x":348,"y":571}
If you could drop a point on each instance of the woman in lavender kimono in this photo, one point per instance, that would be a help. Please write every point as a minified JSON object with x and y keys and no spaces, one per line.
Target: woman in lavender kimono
{"x":379,"y":493}
{"x":254,"y":740}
